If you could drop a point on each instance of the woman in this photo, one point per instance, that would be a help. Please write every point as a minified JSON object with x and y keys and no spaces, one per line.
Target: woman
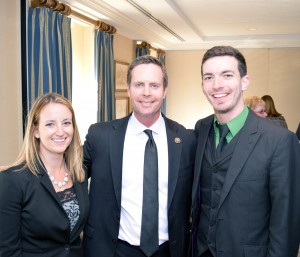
{"x":273,"y":114}
{"x":43,"y":194}
{"x":257,"y":105}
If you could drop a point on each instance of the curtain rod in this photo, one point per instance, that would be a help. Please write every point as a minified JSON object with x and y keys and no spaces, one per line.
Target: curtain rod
{"x":67,"y":10}
{"x":144,"y":44}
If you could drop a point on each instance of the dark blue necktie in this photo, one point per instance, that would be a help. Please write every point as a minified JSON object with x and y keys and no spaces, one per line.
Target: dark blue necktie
{"x":149,"y":232}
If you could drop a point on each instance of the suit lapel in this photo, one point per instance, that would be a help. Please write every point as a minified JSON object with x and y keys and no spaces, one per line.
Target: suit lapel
{"x":202,"y":137}
{"x":116,"y":146}
{"x":47,"y":184}
{"x":174,"y":152}
{"x":247,"y":140}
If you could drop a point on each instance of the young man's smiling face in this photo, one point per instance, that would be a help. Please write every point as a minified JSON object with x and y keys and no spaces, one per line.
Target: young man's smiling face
{"x":223,"y":86}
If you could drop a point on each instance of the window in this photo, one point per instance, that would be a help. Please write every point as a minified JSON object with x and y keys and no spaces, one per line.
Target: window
{"x":84,"y":91}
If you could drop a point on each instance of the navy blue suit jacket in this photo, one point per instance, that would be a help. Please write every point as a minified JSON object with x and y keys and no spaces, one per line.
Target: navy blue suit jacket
{"x":103,"y":154}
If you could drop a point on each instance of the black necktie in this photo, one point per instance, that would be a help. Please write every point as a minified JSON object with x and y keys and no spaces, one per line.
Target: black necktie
{"x":149,"y":232}
{"x":223,"y":129}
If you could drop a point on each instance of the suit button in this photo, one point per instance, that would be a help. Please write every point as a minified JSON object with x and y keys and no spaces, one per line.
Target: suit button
{"x":114,"y":241}
{"x":118,"y":217}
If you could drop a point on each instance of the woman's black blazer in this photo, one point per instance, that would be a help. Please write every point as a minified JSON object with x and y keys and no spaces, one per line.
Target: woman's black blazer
{"x":33,"y":222}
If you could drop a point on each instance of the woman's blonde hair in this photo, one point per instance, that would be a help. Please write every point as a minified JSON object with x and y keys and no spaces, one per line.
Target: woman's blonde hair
{"x":29,"y":154}
{"x":253,"y":101}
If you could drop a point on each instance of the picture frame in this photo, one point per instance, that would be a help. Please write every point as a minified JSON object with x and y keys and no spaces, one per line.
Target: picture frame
{"x":121,"y":75}
{"x":123,"y":107}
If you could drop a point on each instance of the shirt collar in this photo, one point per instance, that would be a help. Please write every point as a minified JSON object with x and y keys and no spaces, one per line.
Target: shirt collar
{"x":138,"y":127}
{"x":236,"y":123}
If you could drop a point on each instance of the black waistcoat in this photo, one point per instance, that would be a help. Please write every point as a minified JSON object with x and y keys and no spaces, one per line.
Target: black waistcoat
{"x":212,"y":177}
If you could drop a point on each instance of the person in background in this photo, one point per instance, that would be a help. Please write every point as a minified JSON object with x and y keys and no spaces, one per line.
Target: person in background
{"x":273,"y":114}
{"x":44,"y":195}
{"x":246,"y":194}
{"x":257,"y":105}
{"x":114,"y":154}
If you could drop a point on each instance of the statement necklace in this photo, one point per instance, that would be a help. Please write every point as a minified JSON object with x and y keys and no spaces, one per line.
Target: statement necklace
{"x":59,"y":184}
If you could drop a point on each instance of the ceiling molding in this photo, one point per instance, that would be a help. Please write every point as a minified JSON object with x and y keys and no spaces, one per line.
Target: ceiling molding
{"x":202,"y":24}
{"x":150,"y":16}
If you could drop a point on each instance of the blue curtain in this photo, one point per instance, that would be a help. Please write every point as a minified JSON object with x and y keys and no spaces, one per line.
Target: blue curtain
{"x":104,"y":75}
{"x":49,"y":51}
{"x":142,"y":49}
{"x":161,"y":56}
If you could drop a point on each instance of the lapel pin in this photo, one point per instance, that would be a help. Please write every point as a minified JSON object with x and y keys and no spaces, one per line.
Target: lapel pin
{"x":177,"y":140}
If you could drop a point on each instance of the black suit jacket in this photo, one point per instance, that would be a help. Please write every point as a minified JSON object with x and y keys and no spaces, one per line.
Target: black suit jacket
{"x":33,"y":223}
{"x":103,"y":155}
{"x":298,"y":131}
{"x":259,"y":209}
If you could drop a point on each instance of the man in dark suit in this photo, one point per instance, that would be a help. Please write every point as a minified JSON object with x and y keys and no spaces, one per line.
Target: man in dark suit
{"x":246,"y":198}
{"x":114,"y":157}
{"x":298,"y":131}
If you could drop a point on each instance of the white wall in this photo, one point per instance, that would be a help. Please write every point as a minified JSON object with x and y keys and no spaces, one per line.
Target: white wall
{"x":272,"y":71}
{"x":10,"y":81}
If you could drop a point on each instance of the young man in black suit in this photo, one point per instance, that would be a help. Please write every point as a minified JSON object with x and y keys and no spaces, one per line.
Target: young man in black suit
{"x":246,"y":197}
{"x":114,"y":157}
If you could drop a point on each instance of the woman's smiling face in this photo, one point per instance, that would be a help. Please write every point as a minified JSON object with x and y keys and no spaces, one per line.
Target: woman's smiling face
{"x":55,"y":129}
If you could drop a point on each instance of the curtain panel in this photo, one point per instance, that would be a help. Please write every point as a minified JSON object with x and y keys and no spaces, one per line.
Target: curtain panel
{"x":161,"y":57}
{"x":49,"y":48}
{"x":105,"y":75}
{"x":140,"y":51}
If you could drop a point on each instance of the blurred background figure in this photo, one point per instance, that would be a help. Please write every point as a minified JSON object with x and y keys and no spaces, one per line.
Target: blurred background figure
{"x":273,"y":114}
{"x":257,"y":105}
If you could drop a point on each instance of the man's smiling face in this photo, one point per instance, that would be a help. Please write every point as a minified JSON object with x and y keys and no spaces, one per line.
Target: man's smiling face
{"x":147,"y":92}
{"x":223,"y":86}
